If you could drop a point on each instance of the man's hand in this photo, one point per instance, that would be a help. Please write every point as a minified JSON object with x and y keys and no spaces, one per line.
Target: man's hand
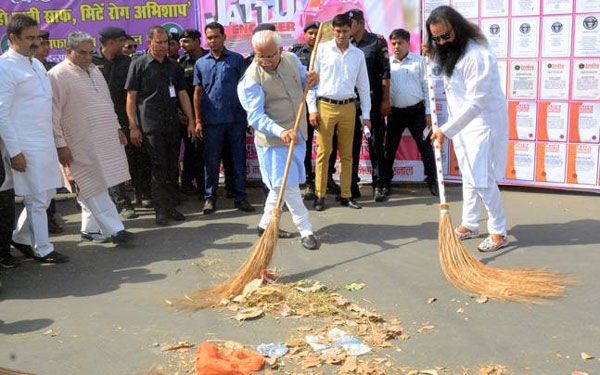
{"x":191,"y":129}
{"x":424,"y":49}
{"x":183,"y":120}
{"x":438,"y":136}
{"x":18,"y":162}
{"x":313,"y":118}
{"x":428,"y":121}
{"x":199,"y":130}
{"x":312,"y":78}
{"x":135,"y":136}
{"x":386,"y":108}
{"x":64,"y":156}
{"x":367,"y":123}
{"x":122,"y":138}
{"x":290,"y":136}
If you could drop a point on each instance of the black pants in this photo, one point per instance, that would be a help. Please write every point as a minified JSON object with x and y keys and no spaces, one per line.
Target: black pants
{"x":139,"y":169}
{"x":376,"y":150}
{"x":412,"y":118}
{"x":7,"y":219}
{"x":193,"y":162}
{"x":163,"y":150}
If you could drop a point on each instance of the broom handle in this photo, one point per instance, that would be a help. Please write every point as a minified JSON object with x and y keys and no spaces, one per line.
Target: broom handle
{"x":297,"y":124}
{"x":437,"y":148}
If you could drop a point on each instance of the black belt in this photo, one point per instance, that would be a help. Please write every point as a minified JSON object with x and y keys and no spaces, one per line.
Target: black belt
{"x":333,"y":101}
{"x":416,"y":106}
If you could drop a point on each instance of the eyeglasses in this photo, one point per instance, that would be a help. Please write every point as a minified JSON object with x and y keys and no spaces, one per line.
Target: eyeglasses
{"x":271,"y":57}
{"x":447,"y":35}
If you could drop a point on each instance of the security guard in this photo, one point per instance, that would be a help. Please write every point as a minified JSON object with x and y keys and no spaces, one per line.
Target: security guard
{"x":375,"y":49}
{"x":304,"y":52}
{"x":193,"y":155}
{"x":114,"y":65}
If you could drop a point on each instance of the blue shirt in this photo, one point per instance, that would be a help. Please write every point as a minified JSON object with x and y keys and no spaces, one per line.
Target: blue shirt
{"x":219,"y":79}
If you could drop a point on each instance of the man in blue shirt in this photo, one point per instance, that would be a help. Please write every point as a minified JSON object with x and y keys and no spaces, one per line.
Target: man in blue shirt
{"x":220,"y":118}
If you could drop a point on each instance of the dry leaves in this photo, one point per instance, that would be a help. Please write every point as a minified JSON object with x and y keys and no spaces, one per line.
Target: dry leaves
{"x":481,"y":299}
{"x":51,"y":333}
{"x":250,"y":313}
{"x":586,"y":357}
{"x":492,"y":369}
{"x":349,"y":365}
{"x":425,"y":328}
{"x":460,"y":310}
{"x":311,"y":361}
{"x":177,"y":346}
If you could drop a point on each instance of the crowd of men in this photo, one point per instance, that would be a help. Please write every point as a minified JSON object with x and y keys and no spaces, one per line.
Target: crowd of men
{"x":111,"y":115}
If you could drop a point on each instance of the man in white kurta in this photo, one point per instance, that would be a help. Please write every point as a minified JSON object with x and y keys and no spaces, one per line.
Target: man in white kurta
{"x":89,"y":139}
{"x":271,"y":92}
{"x":478,"y":120}
{"x":26,"y":130}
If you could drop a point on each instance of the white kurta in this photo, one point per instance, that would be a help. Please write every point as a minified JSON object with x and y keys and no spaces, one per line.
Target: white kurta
{"x":478,"y":117}
{"x":86,"y":122}
{"x":26,"y":122}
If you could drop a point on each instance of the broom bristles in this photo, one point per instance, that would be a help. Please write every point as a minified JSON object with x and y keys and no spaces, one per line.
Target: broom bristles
{"x":465,"y":272}
{"x":259,"y":259}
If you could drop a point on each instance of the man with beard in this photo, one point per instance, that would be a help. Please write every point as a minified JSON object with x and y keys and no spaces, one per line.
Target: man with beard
{"x":193,"y":158}
{"x":478,"y":119}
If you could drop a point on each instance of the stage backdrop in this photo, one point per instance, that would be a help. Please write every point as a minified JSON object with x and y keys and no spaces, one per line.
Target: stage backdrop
{"x":548,"y":53}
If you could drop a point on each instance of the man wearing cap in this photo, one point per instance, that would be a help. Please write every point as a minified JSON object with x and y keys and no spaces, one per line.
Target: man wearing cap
{"x":221,"y":120}
{"x":113,"y":65}
{"x":193,"y":156}
{"x":342,"y":70}
{"x":155,"y":85}
{"x":26,"y":133}
{"x":374,"y":47}
{"x":41,"y":54}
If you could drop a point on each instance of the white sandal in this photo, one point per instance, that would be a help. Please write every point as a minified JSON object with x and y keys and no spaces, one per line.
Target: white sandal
{"x":466,"y":235}
{"x":488,"y":245}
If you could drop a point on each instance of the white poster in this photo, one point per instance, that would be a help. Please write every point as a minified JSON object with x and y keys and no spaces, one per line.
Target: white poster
{"x":558,"y":6}
{"x":503,"y":70}
{"x":555,"y":161}
{"x":588,"y":123}
{"x":588,"y":6}
{"x":587,"y":35}
{"x":526,"y":120}
{"x":523,"y":160}
{"x":556,"y":121}
{"x":556,"y":36}
{"x":430,"y":5}
{"x":523,"y":79}
{"x":555,"y":79}
{"x":468,"y":8}
{"x":525,"y":37}
{"x":494,"y":8}
{"x":496,"y":32}
{"x":584,"y":169}
{"x":586,"y":79}
{"x":525,"y":7}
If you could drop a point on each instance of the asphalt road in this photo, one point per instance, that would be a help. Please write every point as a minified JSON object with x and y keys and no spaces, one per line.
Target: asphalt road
{"x":107,"y":314}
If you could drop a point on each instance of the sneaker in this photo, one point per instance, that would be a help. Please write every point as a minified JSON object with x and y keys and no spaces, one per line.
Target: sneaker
{"x":378,"y":195}
{"x":95,"y":237}
{"x":210,"y":206}
{"x":128,"y":213}
{"x":53,"y":258}
{"x":9,"y":261}
{"x":488,"y":245}
{"x":466,"y":235}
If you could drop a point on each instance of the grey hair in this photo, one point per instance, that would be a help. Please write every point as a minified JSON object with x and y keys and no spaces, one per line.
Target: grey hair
{"x":265,"y":37}
{"x":77,"y":37}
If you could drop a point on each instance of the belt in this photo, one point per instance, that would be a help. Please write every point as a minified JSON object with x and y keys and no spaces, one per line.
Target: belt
{"x":333,"y":101}
{"x":416,"y":106}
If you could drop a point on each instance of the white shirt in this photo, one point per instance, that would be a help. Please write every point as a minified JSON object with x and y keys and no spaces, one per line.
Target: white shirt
{"x":339,"y":73}
{"x":408,"y":81}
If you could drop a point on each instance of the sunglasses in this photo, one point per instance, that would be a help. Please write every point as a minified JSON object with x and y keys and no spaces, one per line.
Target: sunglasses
{"x":444,"y":36}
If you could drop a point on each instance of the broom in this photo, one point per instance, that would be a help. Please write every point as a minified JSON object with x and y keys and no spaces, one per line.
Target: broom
{"x":465,"y":272}
{"x":263,"y":249}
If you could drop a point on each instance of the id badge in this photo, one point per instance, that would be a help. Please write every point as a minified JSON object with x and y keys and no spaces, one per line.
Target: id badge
{"x":172,"y":92}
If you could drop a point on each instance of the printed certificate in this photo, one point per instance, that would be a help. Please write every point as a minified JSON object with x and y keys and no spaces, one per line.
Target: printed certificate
{"x":468,"y":8}
{"x":496,"y":32}
{"x":525,"y":37}
{"x":551,"y":162}
{"x":523,"y":79}
{"x":525,"y":7}
{"x":586,"y":79}
{"x":522,"y":120}
{"x":583,"y":164}
{"x":588,"y":6}
{"x":585,"y":122}
{"x":556,"y":36}
{"x":587,"y":35}
{"x":494,"y":8}
{"x":555,"y":79}
{"x":553,"y":121}
{"x":521,"y":160}
{"x":558,"y":6}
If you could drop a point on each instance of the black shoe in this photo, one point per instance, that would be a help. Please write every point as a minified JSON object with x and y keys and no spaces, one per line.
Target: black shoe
{"x":96,"y":237}
{"x":378,"y":195}
{"x":122,"y":237}
{"x":319,"y":204}
{"x":8,"y":261}
{"x":310,"y":242}
{"x":25,"y":249}
{"x":282,"y":233}
{"x":243,"y":206}
{"x":433,"y":188}
{"x":350,"y":202}
{"x":175,"y":215}
{"x":309,"y":194}
{"x":54,"y":257}
{"x":386,"y":191}
{"x":332,"y":187}
{"x":53,"y":226}
{"x":355,"y":191}
{"x":162,"y":219}
{"x":210,"y":206}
